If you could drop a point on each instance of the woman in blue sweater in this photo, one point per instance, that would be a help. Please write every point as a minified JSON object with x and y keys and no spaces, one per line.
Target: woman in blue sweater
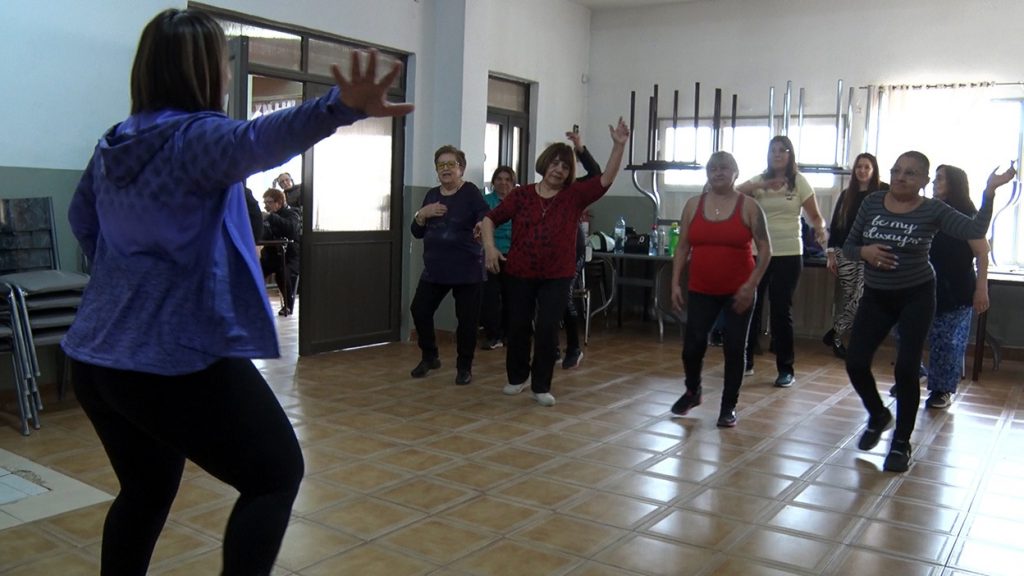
{"x":176,"y":307}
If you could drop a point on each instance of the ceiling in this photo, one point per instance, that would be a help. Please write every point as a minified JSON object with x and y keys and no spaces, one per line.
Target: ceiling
{"x":611,"y":4}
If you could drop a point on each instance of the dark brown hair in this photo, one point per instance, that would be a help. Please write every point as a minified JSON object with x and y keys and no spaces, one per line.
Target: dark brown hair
{"x":853,"y":188}
{"x":180,"y":63}
{"x":790,"y":164}
{"x":506,"y":170}
{"x":460,"y":156}
{"x":958,"y":191}
{"x":555,"y":152}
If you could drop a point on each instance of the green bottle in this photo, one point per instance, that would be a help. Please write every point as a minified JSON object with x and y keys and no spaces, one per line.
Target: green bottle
{"x":673,"y":238}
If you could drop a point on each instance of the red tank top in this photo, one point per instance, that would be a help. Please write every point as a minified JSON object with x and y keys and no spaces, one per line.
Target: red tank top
{"x":721,"y":257}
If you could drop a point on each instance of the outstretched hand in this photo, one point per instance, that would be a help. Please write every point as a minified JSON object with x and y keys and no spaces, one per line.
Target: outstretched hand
{"x":619,"y":132}
{"x":362,"y":92}
{"x":577,"y":142}
{"x":997,"y":180}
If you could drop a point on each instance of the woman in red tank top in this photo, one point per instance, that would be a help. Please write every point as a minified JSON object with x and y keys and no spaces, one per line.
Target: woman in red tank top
{"x":716,"y":232}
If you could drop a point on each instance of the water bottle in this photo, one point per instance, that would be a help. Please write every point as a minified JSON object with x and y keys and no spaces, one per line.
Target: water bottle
{"x":662,"y":241}
{"x":620,"y":234}
{"x":673,"y":238}
{"x":652,"y":241}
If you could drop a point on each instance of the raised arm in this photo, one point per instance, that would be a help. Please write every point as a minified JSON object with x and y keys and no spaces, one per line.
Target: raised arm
{"x":959,"y":226}
{"x":590,"y":166}
{"x":620,"y":135}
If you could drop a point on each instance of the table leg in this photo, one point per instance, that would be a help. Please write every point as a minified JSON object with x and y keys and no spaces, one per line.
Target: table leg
{"x":979,"y":345}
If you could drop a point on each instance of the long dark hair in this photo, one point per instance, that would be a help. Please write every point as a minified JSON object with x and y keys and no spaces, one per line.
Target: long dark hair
{"x":853,"y":188}
{"x":790,"y":164}
{"x":958,"y":191}
{"x":179,"y":63}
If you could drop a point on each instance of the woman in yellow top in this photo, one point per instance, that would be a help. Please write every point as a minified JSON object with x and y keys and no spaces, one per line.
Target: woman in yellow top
{"x":782,"y":193}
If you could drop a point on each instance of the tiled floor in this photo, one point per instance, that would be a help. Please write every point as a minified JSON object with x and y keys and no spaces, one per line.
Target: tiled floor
{"x":410,"y":477}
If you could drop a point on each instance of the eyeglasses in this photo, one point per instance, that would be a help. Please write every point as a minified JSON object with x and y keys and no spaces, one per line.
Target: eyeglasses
{"x":780,"y":151}
{"x":446,"y":165}
{"x":896,"y":173}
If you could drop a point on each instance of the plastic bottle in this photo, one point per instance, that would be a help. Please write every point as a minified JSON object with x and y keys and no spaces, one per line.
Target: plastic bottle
{"x":620,"y":234}
{"x":673,"y":238}
{"x":652,"y":241}
{"x":662,"y":240}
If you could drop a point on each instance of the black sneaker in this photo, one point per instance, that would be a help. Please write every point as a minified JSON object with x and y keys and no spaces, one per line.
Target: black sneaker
{"x":873,"y":433}
{"x":829,"y":339}
{"x":572,"y":359}
{"x":463,"y":377}
{"x":558,"y":354}
{"x":785,"y":380}
{"x":892,"y":391}
{"x":898,"y":459}
{"x":425,"y":366}
{"x":939,"y":400}
{"x":838,"y":350}
{"x":688,"y":400}
{"x":726,"y":418}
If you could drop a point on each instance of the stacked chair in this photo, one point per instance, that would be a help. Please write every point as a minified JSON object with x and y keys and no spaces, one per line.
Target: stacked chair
{"x":38,"y":301}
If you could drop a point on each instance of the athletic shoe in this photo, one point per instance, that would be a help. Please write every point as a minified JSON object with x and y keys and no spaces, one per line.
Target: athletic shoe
{"x":749,"y":371}
{"x":873,"y":433}
{"x":687,"y":401}
{"x":785,"y":380}
{"x":544,"y":399}
{"x":572,"y":359}
{"x":513,"y":389}
{"x":939,"y":400}
{"x":727,"y":418}
{"x":425,"y":366}
{"x":463,"y":377}
{"x":898,"y":459}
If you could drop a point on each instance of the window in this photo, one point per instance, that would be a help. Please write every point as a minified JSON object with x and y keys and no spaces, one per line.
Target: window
{"x":975,"y":128}
{"x":749,"y":144}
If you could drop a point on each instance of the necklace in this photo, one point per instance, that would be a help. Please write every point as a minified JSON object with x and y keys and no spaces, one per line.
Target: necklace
{"x":545,"y":203}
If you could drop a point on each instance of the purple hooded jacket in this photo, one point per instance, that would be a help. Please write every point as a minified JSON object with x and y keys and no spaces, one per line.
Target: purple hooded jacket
{"x":160,"y":213}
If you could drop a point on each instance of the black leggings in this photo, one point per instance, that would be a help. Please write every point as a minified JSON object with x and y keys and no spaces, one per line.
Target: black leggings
{"x":911,"y":310}
{"x":225,"y":419}
{"x":425,"y":303}
{"x":780,"y":280}
{"x":702,"y":311}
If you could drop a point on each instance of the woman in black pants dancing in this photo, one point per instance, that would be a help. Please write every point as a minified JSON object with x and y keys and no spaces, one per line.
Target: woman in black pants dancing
{"x":176,"y":306}
{"x":893,"y":233}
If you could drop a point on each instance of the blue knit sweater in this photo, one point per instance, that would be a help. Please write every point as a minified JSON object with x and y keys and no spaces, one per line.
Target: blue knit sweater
{"x":160,"y":212}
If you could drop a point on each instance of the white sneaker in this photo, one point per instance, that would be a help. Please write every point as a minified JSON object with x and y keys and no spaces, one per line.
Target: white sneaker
{"x":513,"y":389}
{"x":749,"y":371}
{"x":544,"y":399}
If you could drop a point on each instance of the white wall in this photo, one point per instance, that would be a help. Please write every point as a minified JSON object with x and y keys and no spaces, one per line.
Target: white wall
{"x":65,"y":66}
{"x":745,"y":47}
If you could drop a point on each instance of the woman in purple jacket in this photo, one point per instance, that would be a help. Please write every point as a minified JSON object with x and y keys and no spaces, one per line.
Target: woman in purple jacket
{"x":176,"y":307}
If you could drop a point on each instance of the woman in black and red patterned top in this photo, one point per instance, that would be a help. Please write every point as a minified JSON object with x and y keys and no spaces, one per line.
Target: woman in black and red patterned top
{"x":542,"y":260}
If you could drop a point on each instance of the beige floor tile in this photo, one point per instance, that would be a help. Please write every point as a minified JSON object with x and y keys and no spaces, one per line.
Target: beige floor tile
{"x":459,"y":444}
{"x":741,"y":566}
{"x":181,"y":542}
{"x":616,"y":455}
{"x":859,"y":562}
{"x":506,"y":558}
{"x":415,"y":459}
{"x":315,"y":494}
{"x":364,"y":476}
{"x":425,"y":495}
{"x":919,"y":515}
{"x":650,"y":487}
{"x":519,"y":458}
{"x":306,"y":543}
{"x":905,"y":541}
{"x":370,"y":560}
{"x":754,"y":483}
{"x":83,"y":526}
{"x":69,"y":563}
{"x":597,"y":569}
{"x":437,"y":540}
{"x":865,"y":480}
{"x":367,"y":518}
{"x":23,"y":543}
{"x":986,"y":558}
{"x":655,"y":556}
{"x":733,"y":505}
{"x":541,"y":492}
{"x":820,"y":523}
{"x":587,"y":474}
{"x":797,"y":551}
{"x":571,"y":535}
{"x":499,"y":431}
{"x":698,"y":529}
{"x":613,"y":509}
{"x":492,"y":514}
{"x":837,"y":499}
{"x":477,"y":476}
